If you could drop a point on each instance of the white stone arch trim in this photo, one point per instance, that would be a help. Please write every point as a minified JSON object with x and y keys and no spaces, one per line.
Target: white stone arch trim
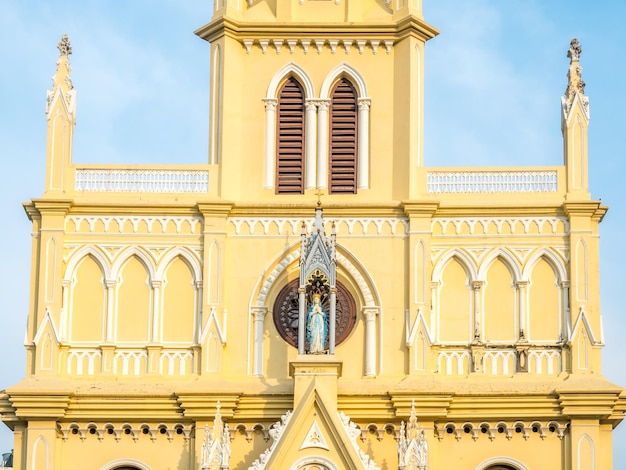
{"x":78,"y":256}
{"x":364,"y":102}
{"x":187,"y":256}
{"x":129,"y":252}
{"x":303,"y":463}
{"x":462,"y":258}
{"x":506,"y":257}
{"x":553,"y":259}
{"x":40,"y":465}
{"x":583,"y":438}
{"x":343,"y":70}
{"x":364,"y":283}
{"x":119,"y":462}
{"x":286,"y":71}
{"x":501,"y":461}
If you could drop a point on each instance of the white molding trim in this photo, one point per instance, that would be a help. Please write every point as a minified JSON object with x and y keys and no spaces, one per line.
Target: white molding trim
{"x":290,"y":69}
{"x":119,"y":462}
{"x":501,"y":460}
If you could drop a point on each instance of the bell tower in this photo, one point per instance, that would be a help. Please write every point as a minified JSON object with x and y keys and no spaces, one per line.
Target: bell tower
{"x":297,"y":86}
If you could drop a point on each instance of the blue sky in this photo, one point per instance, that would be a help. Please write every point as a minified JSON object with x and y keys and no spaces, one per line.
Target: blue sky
{"x":494,"y":78}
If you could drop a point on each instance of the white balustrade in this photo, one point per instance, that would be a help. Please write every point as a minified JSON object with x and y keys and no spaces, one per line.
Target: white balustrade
{"x":450,"y":182}
{"x":499,"y":361}
{"x":141,"y":181}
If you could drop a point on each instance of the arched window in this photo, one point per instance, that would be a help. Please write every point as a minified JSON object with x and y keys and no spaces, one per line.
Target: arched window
{"x":342,"y":173}
{"x":290,"y":138}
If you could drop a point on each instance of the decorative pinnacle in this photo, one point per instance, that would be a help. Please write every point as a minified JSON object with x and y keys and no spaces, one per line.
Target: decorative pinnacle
{"x":64,"y":45}
{"x":575,"y":83}
{"x":575,"y":49}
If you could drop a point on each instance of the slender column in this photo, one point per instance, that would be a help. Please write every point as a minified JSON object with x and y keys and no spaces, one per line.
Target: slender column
{"x":259,"y":317}
{"x":565,"y":323}
{"x":476,"y":286}
{"x":310,"y":141}
{"x":65,"y":286}
{"x":332,"y":320}
{"x":156,"y":291}
{"x":370,"y":315}
{"x":301,"y":319}
{"x":270,"y":141}
{"x":521,"y":288}
{"x":322,"y":143}
{"x":433,"y":310}
{"x":110,"y":286}
{"x":363,"y":143}
{"x":199,"y":308}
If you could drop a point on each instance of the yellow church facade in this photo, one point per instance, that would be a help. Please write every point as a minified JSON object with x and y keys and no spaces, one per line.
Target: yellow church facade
{"x":314,"y":297}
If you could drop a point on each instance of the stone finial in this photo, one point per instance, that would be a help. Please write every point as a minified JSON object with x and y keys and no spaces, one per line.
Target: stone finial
{"x":574,"y":51}
{"x":64,"y":45}
{"x":575,"y":83}
{"x":412,"y":445}
{"x":216,"y":445}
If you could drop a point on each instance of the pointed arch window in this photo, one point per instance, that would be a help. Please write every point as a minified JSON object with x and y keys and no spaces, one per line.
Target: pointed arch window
{"x":343,"y":160}
{"x":290,"y":138}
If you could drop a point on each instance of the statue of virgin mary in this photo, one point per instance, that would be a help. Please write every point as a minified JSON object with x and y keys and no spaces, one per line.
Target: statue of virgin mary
{"x":316,"y":327}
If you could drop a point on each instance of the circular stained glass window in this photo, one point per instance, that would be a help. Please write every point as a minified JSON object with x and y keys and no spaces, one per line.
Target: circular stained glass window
{"x":286,"y":310}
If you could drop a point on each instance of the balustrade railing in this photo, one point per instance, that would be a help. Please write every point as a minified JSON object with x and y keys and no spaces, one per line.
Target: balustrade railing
{"x":450,"y":182}
{"x":131,"y":362}
{"x":141,"y":180}
{"x":499,"y":361}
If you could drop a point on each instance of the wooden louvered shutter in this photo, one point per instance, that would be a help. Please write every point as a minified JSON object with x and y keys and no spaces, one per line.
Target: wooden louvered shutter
{"x":343,"y":138}
{"x":290,"y":139}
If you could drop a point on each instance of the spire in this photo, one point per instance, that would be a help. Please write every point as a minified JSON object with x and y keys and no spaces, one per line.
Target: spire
{"x":574,"y":125}
{"x":60,"y":111}
{"x":412,"y":445}
{"x":575,"y":83}
{"x":216,"y":445}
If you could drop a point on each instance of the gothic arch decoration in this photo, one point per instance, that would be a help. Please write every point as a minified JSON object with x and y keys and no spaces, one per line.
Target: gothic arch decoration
{"x":364,"y":285}
{"x":186,"y":255}
{"x":344,"y":71}
{"x":123,"y":464}
{"x":501,"y":463}
{"x":69,"y":284}
{"x":290,"y":69}
{"x":316,"y":462}
{"x":437,"y":298}
{"x":126,"y":254}
{"x":462,"y":258}
{"x":508,"y":260}
{"x":553,"y":300}
{"x":78,"y":257}
{"x":271,"y":103}
{"x":553,"y":259}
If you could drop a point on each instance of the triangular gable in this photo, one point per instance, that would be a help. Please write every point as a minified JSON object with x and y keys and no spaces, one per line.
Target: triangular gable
{"x":583,"y":322}
{"x":317,"y":256}
{"x":293,"y":444}
{"x":212,"y":321}
{"x":418,"y":324}
{"x":47,"y":325}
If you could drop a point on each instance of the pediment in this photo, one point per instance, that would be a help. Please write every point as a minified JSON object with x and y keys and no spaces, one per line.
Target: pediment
{"x":314,"y":434}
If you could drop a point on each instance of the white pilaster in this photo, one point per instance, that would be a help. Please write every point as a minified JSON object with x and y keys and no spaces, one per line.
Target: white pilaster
{"x":310,"y":138}
{"x":370,"y":314}
{"x":270,"y":141}
{"x":259,"y":318}
{"x":363,"y":143}
{"x":322,"y":143}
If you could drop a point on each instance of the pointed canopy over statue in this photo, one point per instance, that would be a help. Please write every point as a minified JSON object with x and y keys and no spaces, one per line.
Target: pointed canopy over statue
{"x":318,"y":282}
